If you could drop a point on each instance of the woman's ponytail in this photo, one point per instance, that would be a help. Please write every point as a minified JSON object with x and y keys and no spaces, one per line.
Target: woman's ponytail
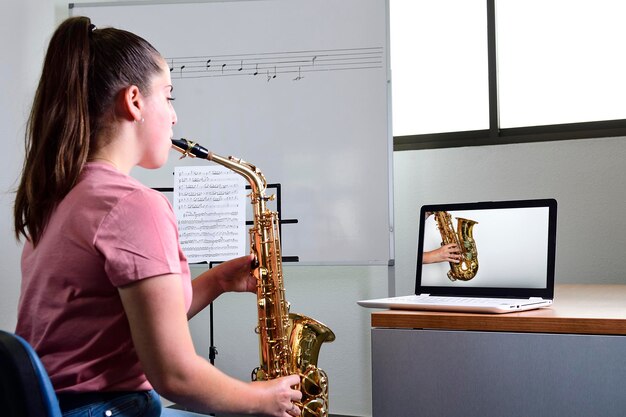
{"x":58,"y":129}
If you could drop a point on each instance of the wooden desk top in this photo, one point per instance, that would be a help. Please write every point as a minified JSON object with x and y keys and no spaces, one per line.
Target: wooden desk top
{"x":577,"y":309}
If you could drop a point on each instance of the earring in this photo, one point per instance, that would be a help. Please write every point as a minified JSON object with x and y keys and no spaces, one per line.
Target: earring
{"x":141,"y":121}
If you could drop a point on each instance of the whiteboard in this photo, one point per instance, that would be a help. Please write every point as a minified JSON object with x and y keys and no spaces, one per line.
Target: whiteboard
{"x":300,"y":89}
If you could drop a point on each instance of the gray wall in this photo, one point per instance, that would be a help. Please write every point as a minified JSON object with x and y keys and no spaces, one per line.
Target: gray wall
{"x":585,"y":177}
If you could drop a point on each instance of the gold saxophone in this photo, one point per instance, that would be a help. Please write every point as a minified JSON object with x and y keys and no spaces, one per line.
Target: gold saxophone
{"x":467,"y":268}
{"x":289,"y":343}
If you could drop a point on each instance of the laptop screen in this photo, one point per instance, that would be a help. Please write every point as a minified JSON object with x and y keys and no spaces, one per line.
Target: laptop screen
{"x":501,"y":249}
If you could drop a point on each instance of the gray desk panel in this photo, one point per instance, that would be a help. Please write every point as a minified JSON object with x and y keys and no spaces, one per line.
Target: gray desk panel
{"x":456,"y":373}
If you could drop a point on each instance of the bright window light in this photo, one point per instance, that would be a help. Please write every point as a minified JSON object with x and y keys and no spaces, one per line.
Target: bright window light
{"x":439,"y":73}
{"x":561,"y":61}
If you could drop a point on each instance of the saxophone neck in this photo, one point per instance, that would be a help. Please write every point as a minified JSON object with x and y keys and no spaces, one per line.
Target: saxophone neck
{"x":255,"y":178}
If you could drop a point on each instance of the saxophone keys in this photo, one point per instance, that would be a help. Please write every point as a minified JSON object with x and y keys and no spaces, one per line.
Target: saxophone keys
{"x":314,"y":382}
{"x":316,"y":407}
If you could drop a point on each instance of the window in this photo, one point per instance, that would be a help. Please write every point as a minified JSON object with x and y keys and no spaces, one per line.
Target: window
{"x":561,"y":73}
{"x":439,"y":66}
{"x":561,"y":61}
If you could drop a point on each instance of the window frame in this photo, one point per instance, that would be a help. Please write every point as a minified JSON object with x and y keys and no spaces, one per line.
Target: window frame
{"x":495,"y":135}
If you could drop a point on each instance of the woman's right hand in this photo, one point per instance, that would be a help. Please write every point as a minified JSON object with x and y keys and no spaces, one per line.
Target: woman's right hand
{"x":279,"y":396}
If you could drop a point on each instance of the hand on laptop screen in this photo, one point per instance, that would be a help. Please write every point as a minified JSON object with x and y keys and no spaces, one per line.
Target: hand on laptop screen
{"x":443,"y":253}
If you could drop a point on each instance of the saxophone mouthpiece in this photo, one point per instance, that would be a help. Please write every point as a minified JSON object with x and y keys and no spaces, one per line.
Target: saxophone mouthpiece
{"x":191,"y":149}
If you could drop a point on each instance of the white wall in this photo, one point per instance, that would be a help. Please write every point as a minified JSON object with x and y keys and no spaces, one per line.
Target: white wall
{"x":23,"y":27}
{"x":585,"y":177}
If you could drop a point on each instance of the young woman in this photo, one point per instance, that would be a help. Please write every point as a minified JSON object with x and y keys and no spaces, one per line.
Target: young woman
{"x":106,"y":291}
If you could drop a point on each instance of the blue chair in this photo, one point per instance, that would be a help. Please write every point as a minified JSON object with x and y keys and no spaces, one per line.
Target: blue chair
{"x":25,"y":388}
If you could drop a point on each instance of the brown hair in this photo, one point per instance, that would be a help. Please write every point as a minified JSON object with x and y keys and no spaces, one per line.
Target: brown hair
{"x":84,"y":70}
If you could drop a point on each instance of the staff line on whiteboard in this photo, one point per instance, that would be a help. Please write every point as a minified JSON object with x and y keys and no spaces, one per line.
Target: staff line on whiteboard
{"x":314,"y":52}
{"x":272,"y":64}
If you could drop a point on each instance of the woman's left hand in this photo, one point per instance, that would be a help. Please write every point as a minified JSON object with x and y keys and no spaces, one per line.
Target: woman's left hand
{"x":236,"y":275}
{"x":230,"y":276}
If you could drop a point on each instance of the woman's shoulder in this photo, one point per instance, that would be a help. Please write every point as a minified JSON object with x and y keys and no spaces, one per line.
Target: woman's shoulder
{"x":112,"y":187}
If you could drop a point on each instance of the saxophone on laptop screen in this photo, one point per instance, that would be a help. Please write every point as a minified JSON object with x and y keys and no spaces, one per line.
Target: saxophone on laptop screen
{"x":463,"y":238}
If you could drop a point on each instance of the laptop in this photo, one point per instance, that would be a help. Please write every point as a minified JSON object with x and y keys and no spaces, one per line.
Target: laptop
{"x":504,"y":253}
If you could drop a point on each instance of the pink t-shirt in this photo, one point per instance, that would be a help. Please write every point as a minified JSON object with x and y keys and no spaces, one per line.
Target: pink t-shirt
{"x":109,"y":231}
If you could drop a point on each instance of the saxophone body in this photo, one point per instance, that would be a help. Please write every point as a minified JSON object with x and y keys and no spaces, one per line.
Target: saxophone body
{"x":289,"y":343}
{"x":463,"y":238}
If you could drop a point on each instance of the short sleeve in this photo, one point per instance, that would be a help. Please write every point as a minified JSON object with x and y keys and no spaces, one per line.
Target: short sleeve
{"x":139,"y":238}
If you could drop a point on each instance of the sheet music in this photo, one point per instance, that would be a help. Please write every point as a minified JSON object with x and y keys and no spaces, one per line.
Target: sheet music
{"x":209,"y":202}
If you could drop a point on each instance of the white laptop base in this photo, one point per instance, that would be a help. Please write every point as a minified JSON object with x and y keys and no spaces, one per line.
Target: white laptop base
{"x":460,"y":304}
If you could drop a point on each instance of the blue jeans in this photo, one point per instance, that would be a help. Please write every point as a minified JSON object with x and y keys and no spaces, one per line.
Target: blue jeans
{"x":122,"y":404}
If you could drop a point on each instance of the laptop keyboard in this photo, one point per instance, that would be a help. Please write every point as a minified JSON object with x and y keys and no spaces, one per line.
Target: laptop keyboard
{"x":453,"y":300}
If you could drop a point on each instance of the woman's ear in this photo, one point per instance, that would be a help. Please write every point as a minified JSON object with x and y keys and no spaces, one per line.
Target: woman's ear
{"x":131,"y":103}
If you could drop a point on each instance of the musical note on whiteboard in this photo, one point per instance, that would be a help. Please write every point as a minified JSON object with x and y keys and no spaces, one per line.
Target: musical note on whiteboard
{"x":210,"y":205}
{"x":269,"y":78}
{"x":299,"y":77}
